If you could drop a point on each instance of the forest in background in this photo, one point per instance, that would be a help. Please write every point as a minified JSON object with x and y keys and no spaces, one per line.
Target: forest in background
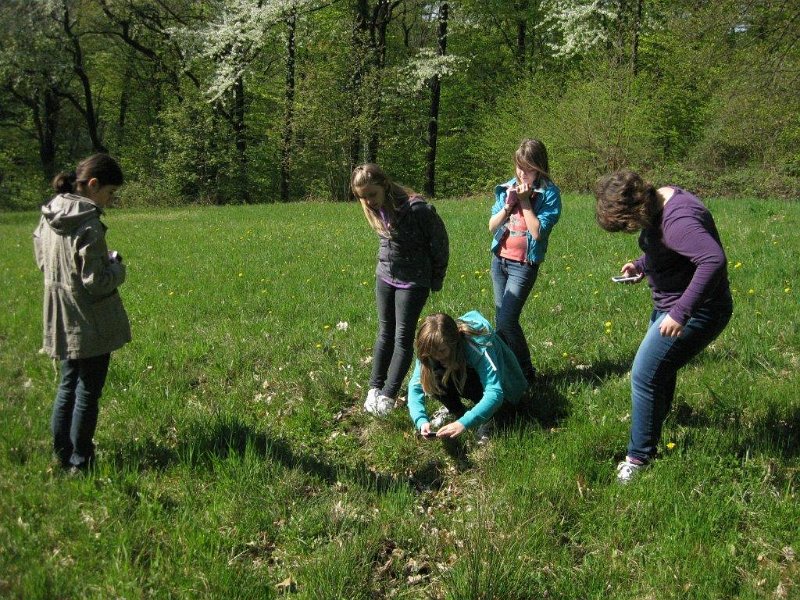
{"x":248,"y":101}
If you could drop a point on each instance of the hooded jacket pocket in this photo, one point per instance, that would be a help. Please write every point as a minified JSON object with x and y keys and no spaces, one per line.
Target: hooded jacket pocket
{"x":110,"y":318}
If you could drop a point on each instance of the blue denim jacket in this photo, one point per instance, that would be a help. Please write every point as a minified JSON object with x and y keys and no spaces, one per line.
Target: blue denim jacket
{"x":546,"y":205}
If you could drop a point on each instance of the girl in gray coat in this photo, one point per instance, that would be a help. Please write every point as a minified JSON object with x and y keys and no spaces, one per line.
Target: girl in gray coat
{"x":84,"y":320}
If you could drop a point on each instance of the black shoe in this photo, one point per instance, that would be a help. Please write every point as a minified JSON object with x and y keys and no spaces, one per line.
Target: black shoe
{"x":530,"y":376}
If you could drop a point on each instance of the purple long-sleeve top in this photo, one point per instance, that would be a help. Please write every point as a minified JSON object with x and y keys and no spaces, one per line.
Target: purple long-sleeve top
{"x":683,"y":257}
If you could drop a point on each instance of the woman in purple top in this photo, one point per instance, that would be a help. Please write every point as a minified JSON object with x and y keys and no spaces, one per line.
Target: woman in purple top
{"x":687,"y":272}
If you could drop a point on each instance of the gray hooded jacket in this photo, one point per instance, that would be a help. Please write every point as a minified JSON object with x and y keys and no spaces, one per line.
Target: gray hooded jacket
{"x":83,"y":313}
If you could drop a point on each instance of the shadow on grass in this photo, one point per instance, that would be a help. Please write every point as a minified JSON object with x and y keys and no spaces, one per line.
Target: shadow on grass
{"x":226,"y":436}
{"x":775,"y":432}
{"x":547,"y":404}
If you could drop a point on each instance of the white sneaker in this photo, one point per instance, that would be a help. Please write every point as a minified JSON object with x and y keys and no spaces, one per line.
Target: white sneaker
{"x":369,"y":403}
{"x":439,"y":417}
{"x":483,"y":433}
{"x":626,"y":470}
{"x":380,"y":406}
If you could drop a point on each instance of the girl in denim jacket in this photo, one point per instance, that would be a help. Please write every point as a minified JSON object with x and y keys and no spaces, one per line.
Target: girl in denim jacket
{"x":525,"y":211}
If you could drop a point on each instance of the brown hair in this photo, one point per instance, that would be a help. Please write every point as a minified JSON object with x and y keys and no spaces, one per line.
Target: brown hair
{"x":98,"y":166}
{"x":438,"y":331}
{"x":625,"y":202}
{"x":372,"y":174}
{"x":532,"y":156}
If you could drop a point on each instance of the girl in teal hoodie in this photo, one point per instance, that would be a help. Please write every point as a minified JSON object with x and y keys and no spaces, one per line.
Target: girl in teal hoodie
{"x":459,"y":359}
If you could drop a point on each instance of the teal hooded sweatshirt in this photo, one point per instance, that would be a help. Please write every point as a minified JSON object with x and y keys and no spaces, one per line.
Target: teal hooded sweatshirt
{"x":497,"y":368}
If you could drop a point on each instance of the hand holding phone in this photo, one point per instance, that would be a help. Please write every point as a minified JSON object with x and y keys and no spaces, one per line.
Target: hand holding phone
{"x":627,"y":278}
{"x":429,"y":435}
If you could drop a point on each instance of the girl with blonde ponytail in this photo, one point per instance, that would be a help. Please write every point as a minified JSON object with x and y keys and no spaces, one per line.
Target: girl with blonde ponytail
{"x":461,"y":359}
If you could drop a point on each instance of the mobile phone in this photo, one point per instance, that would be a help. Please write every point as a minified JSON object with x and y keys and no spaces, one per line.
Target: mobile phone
{"x":429,"y":435}
{"x":626,"y":278}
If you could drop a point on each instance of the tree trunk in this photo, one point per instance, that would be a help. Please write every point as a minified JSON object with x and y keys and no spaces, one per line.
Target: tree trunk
{"x":88,"y":109}
{"x":240,"y":138}
{"x":358,"y":51}
{"x":433,"y":114}
{"x":380,"y":23}
{"x":124,"y":97}
{"x":635,"y":45}
{"x":288,"y":121}
{"x":521,"y":8}
{"x":47,"y":145}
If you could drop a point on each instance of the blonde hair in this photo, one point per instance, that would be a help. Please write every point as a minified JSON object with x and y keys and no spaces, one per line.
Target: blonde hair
{"x":394,"y":194}
{"x":532,"y":156}
{"x":436,"y":332}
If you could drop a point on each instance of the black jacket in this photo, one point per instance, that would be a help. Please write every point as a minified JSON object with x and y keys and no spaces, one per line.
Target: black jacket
{"x":417,"y":248}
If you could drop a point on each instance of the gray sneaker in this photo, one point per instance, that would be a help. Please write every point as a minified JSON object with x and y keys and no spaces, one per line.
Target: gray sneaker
{"x":369,"y":403}
{"x":439,"y":417}
{"x":626,"y":471}
{"x":382,"y":406}
{"x":483,"y":433}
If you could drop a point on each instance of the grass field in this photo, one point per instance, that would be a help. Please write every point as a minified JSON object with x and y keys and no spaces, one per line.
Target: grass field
{"x":234,"y":460}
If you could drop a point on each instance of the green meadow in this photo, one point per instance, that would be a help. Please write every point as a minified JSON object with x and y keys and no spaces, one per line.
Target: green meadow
{"x":234,"y":460}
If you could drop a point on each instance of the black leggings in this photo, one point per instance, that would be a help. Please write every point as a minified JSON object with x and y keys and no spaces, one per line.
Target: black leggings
{"x":398,"y":311}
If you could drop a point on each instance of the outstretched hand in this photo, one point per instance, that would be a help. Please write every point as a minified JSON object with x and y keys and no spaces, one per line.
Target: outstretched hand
{"x":451,"y":430}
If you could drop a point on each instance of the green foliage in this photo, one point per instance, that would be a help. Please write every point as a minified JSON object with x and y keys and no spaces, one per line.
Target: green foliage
{"x":234,"y":459}
{"x":192,"y":97}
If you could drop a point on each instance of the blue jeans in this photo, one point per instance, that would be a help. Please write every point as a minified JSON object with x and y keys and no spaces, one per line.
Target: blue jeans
{"x":398,"y":312}
{"x":75,"y":409}
{"x":512,"y":283}
{"x":655,"y":370}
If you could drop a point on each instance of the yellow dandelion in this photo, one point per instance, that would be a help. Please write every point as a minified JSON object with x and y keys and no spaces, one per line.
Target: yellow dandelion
{"x":241,"y":274}
{"x":751,"y":291}
{"x":670,"y":445}
{"x":569,"y":268}
{"x":608,"y":323}
{"x":319,"y":345}
{"x":327,"y":327}
{"x":787,"y":290}
{"x":565,"y":354}
{"x":172,"y":293}
{"x":737,"y":265}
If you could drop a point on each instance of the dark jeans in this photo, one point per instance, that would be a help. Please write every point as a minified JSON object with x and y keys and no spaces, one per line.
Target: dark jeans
{"x":655,"y":371}
{"x":512,"y":283}
{"x":75,"y":409}
{"x":398,"y":312}
{"x":452,"y":398}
